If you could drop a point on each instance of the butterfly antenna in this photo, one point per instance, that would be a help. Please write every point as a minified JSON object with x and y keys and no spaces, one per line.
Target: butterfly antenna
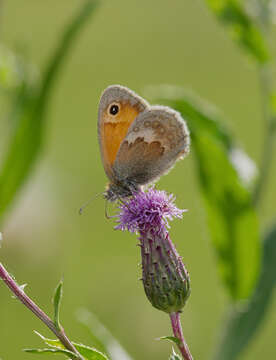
{"x":88,"y":202}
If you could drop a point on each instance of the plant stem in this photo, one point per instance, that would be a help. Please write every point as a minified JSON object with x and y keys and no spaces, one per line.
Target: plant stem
{"x":178,"y":333}
{"x":269,"y":116}
{"x":20,"y":295}
{"x":269,"y":137}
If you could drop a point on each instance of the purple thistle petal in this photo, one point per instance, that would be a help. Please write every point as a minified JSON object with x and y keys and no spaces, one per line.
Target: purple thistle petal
{"x":152,"y":209}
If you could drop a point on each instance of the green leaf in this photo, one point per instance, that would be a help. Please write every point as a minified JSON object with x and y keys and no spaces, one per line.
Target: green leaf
{"x":243,"y":322}
{"x":57,"y":302}
{"x":101,"y":338}
{"x":231,"y":216}
{"x":67,"y":353}
{"x":29,"y":116}
{"x":242,"y":28}
{"x":87,"y":352}
{"x":173,"y":339}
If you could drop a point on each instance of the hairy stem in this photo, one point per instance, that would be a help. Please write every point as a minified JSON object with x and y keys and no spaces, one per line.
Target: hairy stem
{"x":178,"y":333}
{"x":20,"y":295}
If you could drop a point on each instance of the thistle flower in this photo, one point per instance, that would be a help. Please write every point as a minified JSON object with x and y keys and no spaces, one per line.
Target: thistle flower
{"x":165,"y":279}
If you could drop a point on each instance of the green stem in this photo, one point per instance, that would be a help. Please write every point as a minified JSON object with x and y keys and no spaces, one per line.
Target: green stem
{"x":265,"y":80}
{"x":269,"y":137}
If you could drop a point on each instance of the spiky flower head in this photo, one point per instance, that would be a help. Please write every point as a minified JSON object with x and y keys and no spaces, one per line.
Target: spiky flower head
{"x":148,"y":210}
{"x":165,"y":278}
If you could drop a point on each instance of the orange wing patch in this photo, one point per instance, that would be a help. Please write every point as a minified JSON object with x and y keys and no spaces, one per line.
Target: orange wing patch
{"x":114,"y":130}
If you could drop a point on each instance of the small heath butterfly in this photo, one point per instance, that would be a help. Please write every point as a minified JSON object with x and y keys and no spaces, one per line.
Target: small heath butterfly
{"x":138,"y":142}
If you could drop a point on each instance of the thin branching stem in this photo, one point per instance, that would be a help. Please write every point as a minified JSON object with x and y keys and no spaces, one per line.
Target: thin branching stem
{"x":31,"y":305}
{"x":178,"y":333}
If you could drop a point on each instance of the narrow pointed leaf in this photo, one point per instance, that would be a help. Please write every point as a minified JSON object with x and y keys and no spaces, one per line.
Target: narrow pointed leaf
{"x":171,"y":339}
{"x":57,"y":302}
{"x":228,"y":201}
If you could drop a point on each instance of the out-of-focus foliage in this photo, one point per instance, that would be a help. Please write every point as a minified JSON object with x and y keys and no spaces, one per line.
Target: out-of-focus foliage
{"x":231,"y":215}
{"x":245,"y":321}
{"x":101,"y":338}
{"x":30,"y":101}
{"x":232,"y":13}
{"x":251,"y":26}
{"x":232,"y":219}
{"x":29,"y":110}
{"x":13,"y":71}
{"x":273,"y":103}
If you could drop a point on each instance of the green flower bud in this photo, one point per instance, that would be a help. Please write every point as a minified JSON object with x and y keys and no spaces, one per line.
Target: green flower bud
{"x":165,"y":278}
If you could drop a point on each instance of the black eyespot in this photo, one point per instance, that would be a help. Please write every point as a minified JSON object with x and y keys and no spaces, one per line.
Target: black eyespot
{"x":114,"y":109}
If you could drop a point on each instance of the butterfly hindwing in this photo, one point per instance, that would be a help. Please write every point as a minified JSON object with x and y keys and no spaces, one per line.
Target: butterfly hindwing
{"x":154,"y":141}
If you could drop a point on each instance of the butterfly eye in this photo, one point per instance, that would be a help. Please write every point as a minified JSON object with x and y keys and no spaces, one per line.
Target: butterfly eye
{"x":114,"y":109}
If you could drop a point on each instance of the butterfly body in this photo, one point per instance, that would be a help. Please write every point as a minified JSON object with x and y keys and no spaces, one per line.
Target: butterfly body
{"x":138,"y":142}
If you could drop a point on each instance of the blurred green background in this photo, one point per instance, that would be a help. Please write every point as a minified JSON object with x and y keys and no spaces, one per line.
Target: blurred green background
{"x":133,"y":43}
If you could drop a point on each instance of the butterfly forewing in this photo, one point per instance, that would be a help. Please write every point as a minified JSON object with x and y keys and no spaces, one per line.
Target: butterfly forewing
{"x":113,"y":125}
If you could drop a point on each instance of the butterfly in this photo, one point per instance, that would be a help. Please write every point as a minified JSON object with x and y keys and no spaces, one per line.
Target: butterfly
{"x":138,"y":142}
